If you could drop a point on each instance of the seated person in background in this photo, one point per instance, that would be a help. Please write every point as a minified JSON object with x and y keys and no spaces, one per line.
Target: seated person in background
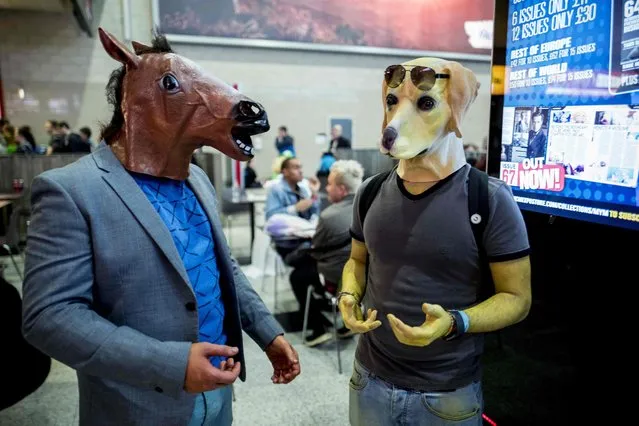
{"x":472,"y":154}
{"x":9,"y":133}
{"x":332,"y":240}
{"x":74,"y":142}
{"x":26,"y":141}
{"x":330,"y":250}
{"x":85,"y":136}
{"x":59,"y":142}
{"x":250,"y":176}
{"x":284,"y":142}
{"x":287,"y":196}
{"x":327,"y":160}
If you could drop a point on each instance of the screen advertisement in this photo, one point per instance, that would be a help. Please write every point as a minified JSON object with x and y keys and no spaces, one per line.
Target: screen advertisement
{"x":570,"y":126}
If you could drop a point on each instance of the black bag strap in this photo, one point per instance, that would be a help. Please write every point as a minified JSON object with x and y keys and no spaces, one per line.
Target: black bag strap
{"x":478,"y":209}
{"x":478,"y":213}
{"x":370,"y":192}
{"x":368,"y":196}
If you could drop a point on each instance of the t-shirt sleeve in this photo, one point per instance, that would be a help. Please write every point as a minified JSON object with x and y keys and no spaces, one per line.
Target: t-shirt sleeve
{"x":505,"y":236}
{"x":357,"y":231}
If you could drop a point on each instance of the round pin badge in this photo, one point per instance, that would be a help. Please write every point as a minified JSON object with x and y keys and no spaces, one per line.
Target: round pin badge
{"x":475,"y":219}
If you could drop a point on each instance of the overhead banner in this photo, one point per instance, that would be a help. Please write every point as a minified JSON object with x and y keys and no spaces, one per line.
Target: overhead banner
{"x":459,"y":28}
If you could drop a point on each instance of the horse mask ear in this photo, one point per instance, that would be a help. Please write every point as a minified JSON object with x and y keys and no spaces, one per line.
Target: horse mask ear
{"x":462,"y":91}
{"x":117,"y":50}
{"x":138,"y":47}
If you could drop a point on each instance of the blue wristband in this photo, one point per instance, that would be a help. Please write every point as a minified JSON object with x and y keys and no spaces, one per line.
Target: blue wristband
{"x":462,"y":323}
{"x":465,"y":320}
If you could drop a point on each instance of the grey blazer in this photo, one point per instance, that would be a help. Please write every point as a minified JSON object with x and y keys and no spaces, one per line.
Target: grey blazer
{"x":107,"y":294}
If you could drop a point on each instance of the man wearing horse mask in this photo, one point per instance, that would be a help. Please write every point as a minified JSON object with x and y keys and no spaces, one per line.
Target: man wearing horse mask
{"x":426,"y":273}
{"x":129,"y":278}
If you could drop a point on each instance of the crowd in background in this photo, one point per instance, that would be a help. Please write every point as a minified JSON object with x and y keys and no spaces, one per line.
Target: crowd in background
{"x":62,"y":139}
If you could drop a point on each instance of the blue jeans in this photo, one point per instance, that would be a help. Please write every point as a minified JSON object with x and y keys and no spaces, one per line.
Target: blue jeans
{"x":218,"y":410}
{"x":376,"y":402}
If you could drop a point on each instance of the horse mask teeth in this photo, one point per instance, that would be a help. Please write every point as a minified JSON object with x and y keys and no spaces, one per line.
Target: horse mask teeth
{"x":206,"y":112}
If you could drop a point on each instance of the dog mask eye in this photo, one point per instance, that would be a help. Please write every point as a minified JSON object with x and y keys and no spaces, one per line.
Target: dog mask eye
{"x":426,"y":103}
{"x":391,"y":100}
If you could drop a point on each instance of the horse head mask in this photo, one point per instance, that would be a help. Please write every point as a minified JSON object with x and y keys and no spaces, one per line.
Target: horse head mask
{"x":166,"y":106}
{"x":424,"y":102}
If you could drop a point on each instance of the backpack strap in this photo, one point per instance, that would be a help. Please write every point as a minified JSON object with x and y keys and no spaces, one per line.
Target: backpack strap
{"x":368,"y":196}
{"x":370,"y":192}
{"x":478,"y":213}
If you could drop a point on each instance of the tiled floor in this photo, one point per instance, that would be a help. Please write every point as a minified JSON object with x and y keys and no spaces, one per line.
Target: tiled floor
{"x":318,"y":397}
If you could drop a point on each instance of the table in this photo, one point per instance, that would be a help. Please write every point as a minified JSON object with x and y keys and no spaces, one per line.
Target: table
{"x":249,"y":196}
{"x":6,"y":200}
{"x":11,"y":196}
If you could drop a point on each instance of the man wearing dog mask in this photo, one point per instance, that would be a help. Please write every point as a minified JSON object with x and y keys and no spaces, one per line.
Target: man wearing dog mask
{"x":421,"y":275}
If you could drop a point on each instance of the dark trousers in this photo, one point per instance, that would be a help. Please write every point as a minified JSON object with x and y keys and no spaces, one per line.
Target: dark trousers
{"x":304,"y":274}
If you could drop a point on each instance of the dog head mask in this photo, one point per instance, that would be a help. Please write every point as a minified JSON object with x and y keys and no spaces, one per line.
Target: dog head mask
{"x":415,"y":118}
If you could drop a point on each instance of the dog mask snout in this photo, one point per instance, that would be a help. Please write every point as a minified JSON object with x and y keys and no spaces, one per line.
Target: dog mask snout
{"x":389,"y":137}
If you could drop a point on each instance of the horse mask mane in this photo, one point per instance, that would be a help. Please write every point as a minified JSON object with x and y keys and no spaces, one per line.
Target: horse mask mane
{"x":421,"y":126}
{"x":165,"y":107}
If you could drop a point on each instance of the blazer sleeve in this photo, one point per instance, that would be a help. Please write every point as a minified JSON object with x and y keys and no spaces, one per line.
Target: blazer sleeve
{"x":257,"y":320}
{"x":58,"y":317}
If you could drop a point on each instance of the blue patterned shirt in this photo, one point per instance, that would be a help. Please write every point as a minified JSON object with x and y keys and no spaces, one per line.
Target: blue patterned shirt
{"x":190,"y":228}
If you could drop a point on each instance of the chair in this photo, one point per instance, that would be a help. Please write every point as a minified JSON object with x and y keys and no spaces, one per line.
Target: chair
{"x":333,"y":299}
{"x":11,"y":241}
{"x":279,"y":268}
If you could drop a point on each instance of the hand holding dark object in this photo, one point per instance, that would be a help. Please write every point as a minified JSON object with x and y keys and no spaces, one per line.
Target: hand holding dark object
{"x":201,"y":376}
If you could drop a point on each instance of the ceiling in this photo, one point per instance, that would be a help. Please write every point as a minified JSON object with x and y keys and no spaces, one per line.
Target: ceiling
{"x":36,"y":5}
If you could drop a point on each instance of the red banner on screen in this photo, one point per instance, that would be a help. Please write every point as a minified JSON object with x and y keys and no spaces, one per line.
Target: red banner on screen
{"x":533,"y":174}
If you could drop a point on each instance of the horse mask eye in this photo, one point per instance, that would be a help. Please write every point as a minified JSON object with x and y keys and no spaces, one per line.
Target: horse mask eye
{"x":170,"y":83}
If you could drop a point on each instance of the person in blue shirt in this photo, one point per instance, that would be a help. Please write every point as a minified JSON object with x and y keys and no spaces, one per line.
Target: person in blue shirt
{"x":327,"y":160}
{"x":284,"y":142}
{"x":289,"y":197}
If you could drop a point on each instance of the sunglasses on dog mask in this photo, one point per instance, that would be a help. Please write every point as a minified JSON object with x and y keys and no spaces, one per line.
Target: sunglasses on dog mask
{"x":424,"y":78}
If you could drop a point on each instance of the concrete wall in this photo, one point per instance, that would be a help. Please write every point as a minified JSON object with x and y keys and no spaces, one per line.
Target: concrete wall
{"x":63,"y":73}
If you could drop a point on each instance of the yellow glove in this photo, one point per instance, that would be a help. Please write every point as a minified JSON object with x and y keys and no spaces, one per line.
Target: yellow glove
{"x":353,"y":318}
{"x":438,"y":323}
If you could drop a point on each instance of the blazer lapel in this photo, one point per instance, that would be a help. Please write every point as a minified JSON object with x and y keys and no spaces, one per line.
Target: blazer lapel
{"x":132,"y":196}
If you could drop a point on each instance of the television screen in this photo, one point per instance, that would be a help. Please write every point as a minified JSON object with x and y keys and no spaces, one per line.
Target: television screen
{"x":570,"y":113}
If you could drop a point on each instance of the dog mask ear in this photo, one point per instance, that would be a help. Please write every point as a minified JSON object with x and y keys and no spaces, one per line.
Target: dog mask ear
{"x":462,"y":91}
